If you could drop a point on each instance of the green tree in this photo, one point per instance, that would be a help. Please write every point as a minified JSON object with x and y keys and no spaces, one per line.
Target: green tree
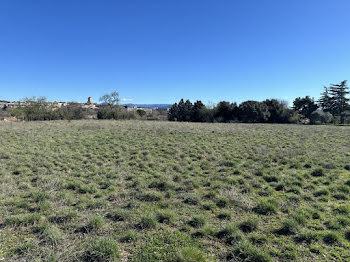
{"x":173,"y":113}
{"x":326,"y":101}
{"x":305,"y":106}
{"x":253,"y":112}
{"x":226,"y":111}
{"x":340,"y":101}
{"x":279,"y":112}
{"x":184,"y":111}
{"x":199,"y":112}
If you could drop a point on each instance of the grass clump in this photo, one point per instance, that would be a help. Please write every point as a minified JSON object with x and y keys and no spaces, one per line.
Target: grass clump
{"x":331,"y":238}
{"x":244,"y":251}
{"x":165,"y":216}
{"x":49,"y":234}
{"x":102,"y":249}
{"x":249,"y":225}
{"x":168,"y":246}
{"x":289,"y":227}
{"x":197,"y":221}
{"x":225,"y":215}
{"x":128,"y":237}
{"x":190,"y":254}
{"x":347,"y":234}
{"x":222,"y":202}
{"x":118,"y":215}
{"x":148,"y":222}
{"x":265,"y":207}
{"x":63,"y":217}
{"x":25,"y":219}
{"x":318,"y":172}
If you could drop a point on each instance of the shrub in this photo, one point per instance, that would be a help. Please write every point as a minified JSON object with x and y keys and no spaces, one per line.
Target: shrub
{"x":319,"y":117}
{"x":103,"y":249}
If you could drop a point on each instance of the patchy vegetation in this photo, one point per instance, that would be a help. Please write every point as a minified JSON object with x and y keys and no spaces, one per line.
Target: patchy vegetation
{"x":161,"y":191}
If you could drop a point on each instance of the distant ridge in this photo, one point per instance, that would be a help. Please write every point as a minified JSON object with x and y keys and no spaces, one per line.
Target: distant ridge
{"x":150,"y":105}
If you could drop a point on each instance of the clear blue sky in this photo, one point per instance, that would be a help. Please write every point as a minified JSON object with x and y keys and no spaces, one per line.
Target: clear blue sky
{"x":158,"y":51}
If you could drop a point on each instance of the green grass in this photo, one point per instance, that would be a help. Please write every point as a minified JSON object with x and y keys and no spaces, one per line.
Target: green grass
{"x":160,"y":191}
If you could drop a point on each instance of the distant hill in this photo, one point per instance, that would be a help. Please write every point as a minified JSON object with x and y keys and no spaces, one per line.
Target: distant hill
{"x":150,"y":105}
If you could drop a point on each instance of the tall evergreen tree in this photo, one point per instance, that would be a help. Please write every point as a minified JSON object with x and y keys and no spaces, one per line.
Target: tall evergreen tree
{"x":340,"y":101}
{"x":173,"y":113}
{"x":326,"y":101}
{"x":198,"y":112}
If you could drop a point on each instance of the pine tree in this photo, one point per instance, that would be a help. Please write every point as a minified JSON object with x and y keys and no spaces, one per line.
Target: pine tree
{"x":340,"y":101}
{"x":173,"y":113}
{"x":326,"y":101}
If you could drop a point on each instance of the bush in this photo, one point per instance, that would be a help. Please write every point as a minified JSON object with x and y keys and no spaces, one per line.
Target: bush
{"x":253,"y":112}
{"x":319,"y":117}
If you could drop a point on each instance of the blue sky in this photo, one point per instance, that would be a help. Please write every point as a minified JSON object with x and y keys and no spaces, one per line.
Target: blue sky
{"x":158,"y":51}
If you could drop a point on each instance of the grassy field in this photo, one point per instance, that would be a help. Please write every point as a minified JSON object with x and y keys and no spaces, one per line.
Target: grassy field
{"x":160,"y":191}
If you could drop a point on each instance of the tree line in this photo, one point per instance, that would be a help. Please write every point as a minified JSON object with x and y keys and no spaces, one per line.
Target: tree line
{"x":332,"y":107}
{"x":39,"y":109}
